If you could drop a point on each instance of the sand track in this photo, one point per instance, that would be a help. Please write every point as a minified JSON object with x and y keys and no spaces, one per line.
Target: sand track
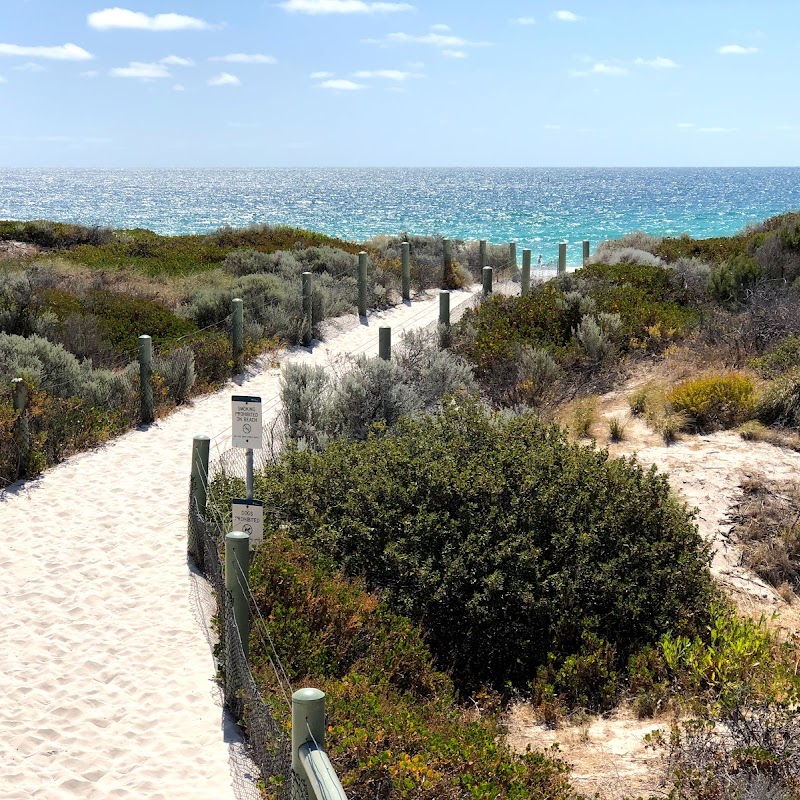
{"x":106,"y":674}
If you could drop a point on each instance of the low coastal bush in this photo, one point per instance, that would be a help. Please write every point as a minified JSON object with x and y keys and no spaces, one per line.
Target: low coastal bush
{"x":780,"y":402}
{"x":504,"y":541}
{"x":714,"y":401}
{"x":395,"y":727}
{"x":780,"y":359}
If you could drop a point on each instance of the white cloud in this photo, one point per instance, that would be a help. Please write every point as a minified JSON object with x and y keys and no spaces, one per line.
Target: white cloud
{"x":525,"y":21}
{"x":224,"y":79}
{"x":110,"y":18}
{"x":245,"y":58}
{"x":318,"y":76}
{"x":178,"y":87}
{"x":342,"y":85}
{"x":599,"y":69}
{"x":659,"y":62}
{"x":685,"y":125}
{"x":142,"y":70}
{"x":451,"y":46}
{"x":177,"y":61}
{"x":64,"y":52}
{"x":787,"y":128}
{"x":441,"y":28}
{"x":92,"y":73}
{"x":30,"y":66}
{"x":2,"y":79}
{"x":550,"y":126}
{"x":716,"y":130}
{"x":565,"y":16}
{"x":342,"y":7}
{"x":388,"y":74}
{"x":454,"y":54}
{"x":736,"y":50}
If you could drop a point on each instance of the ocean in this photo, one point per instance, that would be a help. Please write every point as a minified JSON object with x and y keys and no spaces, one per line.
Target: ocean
{"x":538,"y":208}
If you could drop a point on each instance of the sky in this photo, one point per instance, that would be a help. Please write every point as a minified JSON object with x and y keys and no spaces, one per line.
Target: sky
{"x":361,"y":83}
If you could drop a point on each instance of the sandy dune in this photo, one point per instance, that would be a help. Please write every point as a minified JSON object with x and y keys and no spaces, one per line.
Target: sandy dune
{"x":106,"y":674}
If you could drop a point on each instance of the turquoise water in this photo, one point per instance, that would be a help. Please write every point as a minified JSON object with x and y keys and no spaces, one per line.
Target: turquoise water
{"x":536,"y":207}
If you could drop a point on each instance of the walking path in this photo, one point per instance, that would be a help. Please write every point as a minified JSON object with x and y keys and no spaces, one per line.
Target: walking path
{"x":106,"y":675}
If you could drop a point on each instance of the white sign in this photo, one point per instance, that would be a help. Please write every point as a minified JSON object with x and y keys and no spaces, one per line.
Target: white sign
{"x":247,"y":516}
{"x":247,"y":422}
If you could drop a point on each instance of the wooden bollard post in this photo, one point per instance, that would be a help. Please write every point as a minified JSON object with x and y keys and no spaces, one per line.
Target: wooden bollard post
{"x":512,"y":257}
{"x":562,"y":258}
{"x":405,"y":255}
{"x":447,"y":262}
{"x":201,"y":445}
{"x":487,"y":281}
{"x":237,"y":549}
{"x":237,"y":332}
{"x":526,"y":272}
{"x":482,"y":254}
{"x":444,"y":308}
{"x":145,"y":379}
{"x":362,"y":284}
{"x":19,"y":401}
{"x":308,"y":322}
{"x":585,"y":252}
{"x":385,"y":343}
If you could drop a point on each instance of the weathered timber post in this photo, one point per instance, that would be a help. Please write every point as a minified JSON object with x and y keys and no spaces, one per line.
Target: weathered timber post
{"x":308,"y":322}
{"x":482,"y":254}
{"x":585,"y":252}
{"x":19,"y":401}
{"x":526,"y":272}
{"x":201,"y":445}
{"x":385,"y":343}
{"x":362,"y":284}
{"x":487,"y":281}
{"x":237,"y":549}
{"x":145,"y":379}
{"x":447,"y":262}
{"x":405,"y":255}
{"x":237,"y":332}
{"x":512,"y":256}
{"x":444,"y":308}
{"x":562,"y":258}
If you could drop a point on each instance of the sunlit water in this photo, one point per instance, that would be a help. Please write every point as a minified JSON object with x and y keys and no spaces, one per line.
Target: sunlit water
{"x":536,"y":207}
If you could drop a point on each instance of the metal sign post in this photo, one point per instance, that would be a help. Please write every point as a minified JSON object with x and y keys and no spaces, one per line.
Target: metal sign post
{"x":246,"y":431}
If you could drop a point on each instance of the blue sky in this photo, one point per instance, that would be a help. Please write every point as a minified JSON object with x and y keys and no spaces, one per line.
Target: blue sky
{"x":361,"y":83}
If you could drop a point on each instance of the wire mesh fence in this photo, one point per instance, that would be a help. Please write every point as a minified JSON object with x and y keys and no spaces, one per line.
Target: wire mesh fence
{"x":268,"y":743}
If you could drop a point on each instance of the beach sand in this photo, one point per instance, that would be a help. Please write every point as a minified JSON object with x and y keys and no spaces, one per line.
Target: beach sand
{"x":106,"y":673}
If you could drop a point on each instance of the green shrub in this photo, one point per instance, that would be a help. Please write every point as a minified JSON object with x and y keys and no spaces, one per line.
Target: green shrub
{"x":781,"y":358}
{"x":780,"y":402}
{"x":176,"y":370}
{"x":504,"y":541}
{"x":714,"y":401}
{"x":394,"y":728}
{"x":730,"y":283}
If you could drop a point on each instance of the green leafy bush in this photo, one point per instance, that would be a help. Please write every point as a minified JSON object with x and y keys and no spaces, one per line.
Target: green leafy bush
{"x":504,"y":541}
{"x":714,"y":401}
{"x":781,"y":358}
{"x":732,"y":280}
{"x":780,"y":402}
{"x":395,"y":729}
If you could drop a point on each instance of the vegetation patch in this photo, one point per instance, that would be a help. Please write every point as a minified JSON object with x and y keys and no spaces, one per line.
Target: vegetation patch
{"x":714,"y":401}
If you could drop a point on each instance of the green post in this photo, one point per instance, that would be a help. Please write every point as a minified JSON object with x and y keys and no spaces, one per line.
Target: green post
{"x":482,"y":254}
{"x":308,"y":322}
{"x":447,"y":262}
{"x":512,"y":256}
{"x":201,"y":445}
{"x":385,"y":343}
{"x":237,"y":332}
{"x":585,"y":252}
{"x":308,"y":726}
{"x":406,"y":261}
{"x":526,"y":272}
{"x":444,"y":308}
{"x":562,"y":258}
{"x":362,"y":284}
{"x":145,"y":376}
{"x":487,"y":281}
{"x":237,"y":549}
{"x":19,"y":400}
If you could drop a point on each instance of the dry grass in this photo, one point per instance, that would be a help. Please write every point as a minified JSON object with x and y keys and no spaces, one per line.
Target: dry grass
{"x":768,"y":528}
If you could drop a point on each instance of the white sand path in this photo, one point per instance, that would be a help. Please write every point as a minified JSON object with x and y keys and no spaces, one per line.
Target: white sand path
{"x":106,"y":676}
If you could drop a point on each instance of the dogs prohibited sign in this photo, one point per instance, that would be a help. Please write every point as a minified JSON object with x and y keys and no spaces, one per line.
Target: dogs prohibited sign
{"x":248,"y":517}
{"x":247,"y":422}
